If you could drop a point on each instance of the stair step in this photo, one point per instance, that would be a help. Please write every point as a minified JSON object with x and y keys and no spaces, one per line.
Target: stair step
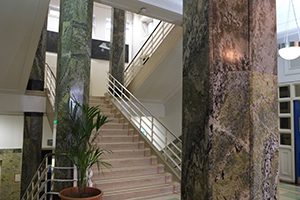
{"x":117,"y":119}
{"x":166,"y":196}
{"x":122,"y":145}
{"x":128,"y":171}
{"x":127,"y":162}
{"x":112,"y":125}
{"x":131,"y":153}
{"x":140,"y":192}
{"x":133,"y":182}
{"x":117,"y":138}
{"x":111,"y":115}
{"x":105,"y":109}
{"x":125,"y":131}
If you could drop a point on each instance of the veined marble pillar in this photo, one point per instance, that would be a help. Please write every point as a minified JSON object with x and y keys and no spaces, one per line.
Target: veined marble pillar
{"x":117,"y":49}
{"x":33,"y":122}
{"x":32,"y":147}
{"x":230,"y":135}
{"x":73,"y":66}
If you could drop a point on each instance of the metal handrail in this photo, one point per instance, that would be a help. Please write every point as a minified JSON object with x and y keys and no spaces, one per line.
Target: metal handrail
{"x":156,"y":132}
{"x":38,"y":187}
{"x":146,"y":51}
{"x":145,"y":43}
{"x":50,"y":84}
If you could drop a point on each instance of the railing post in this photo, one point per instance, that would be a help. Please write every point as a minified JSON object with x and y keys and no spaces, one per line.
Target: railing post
{"x":27,"y":194}
{"x":114,"y":87}
{"x":32,"y":187}
{"x":152,"y":127}
{"x":46,"y":181}
{"x":166,"y":139}
{"x":39,"y":176}
{"x":140,"y":123}
{"x":75,"y":176}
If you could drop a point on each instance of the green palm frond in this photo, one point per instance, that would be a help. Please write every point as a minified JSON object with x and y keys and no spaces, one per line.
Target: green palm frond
{"x":85,"y":122}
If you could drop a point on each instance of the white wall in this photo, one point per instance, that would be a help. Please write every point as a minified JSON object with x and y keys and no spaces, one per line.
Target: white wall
{"x":288,"y":71}
{"x":99,"y":69}
{"x":11,"y":131}
{"x":157,"y":109}
{"x":173,"y":114}
{"x":47,"y":133}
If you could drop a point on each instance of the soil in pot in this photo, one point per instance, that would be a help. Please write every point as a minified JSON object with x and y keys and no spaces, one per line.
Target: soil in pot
{"x":88,"y":194}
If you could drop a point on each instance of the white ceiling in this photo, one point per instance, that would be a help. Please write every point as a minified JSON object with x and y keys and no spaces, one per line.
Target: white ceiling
{"x":166,"y":10}
{"x":21,"y":23}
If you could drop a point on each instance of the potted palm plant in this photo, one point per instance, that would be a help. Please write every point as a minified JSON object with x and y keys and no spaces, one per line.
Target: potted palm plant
{"x":85,"y":122}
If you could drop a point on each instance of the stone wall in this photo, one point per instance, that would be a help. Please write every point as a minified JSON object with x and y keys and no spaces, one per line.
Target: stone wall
{"x":10,"y":160}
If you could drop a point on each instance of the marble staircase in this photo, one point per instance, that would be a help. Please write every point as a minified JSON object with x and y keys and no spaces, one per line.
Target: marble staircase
{"x":136,"y":173}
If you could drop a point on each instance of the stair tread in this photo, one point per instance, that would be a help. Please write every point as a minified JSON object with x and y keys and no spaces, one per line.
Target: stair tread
{"x":131,"y":168}
{"x":117,"y":129}
{"x":162,"y":196}
{"x":123,"y":159}
{"x":132,"y":178}
{"x":117,"y":136}
{"x":143,"y":188}
{"x":129,"y":150}
{"x":106,"y":143}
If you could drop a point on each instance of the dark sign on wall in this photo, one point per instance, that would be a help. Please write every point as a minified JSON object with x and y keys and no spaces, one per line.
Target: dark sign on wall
{"x":100,"y":48}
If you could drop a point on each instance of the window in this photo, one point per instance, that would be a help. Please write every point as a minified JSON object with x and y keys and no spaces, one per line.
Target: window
{"x":297,"y":90}
{"x":285,"y":139}
{"x":284,"y":107}
{"x":285,"y":123}
{"x":284,"y":91}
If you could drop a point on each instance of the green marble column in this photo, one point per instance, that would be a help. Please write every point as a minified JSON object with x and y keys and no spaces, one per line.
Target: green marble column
{"x":230,"y":131}
{"x":117,"y":48}
{"x":33,"y":122}
{"x":32,"y":147}
{"x":73,"y":66}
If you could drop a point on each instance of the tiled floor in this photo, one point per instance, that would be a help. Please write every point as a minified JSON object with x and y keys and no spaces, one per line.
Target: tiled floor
{"x":289,"y":192}
{"x":286,"y":192}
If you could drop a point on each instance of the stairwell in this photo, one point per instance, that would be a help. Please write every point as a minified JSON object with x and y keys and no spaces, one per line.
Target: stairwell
{"x":136,"y":173}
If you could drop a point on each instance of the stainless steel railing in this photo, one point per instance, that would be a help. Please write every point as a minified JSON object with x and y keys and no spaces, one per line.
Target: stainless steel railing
{"x":149,"y":47}
{"x":50,"y":84}
{"x":155,"y":132}
{"x":41,"y":185}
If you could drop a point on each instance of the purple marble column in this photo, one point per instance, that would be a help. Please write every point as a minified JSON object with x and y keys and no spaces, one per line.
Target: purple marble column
{"x":230,"y":137}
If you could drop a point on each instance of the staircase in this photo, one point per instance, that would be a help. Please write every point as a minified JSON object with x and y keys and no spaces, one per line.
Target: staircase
{"x":136,"y":173}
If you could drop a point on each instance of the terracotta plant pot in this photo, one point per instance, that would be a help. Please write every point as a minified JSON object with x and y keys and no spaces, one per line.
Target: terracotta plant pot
{"x":72,"y":193}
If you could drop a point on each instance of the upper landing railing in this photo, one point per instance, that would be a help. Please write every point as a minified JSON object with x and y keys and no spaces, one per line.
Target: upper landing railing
{"x":146,"y":51}
{"x":50,"y":82}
